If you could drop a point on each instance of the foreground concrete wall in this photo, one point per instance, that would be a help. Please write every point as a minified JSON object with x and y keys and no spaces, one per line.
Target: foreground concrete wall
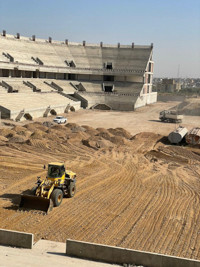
{"x":121,"y":255}
{"x":16,"y":239}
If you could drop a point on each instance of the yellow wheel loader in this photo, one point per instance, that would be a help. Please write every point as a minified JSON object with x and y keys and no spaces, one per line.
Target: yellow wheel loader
{"x":49,"y":192}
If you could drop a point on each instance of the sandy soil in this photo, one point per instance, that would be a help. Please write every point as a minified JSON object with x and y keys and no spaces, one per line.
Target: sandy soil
{"x":133,"y":189}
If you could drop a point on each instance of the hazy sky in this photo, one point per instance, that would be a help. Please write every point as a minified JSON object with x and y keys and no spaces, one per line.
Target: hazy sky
{"x":172,"y":25}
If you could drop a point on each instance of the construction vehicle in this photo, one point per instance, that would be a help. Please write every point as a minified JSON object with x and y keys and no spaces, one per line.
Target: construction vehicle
{"x":170,"y":116}
{"x":49,"y":192}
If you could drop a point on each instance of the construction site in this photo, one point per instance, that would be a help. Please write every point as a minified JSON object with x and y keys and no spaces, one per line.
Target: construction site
{"x":134,"y":190}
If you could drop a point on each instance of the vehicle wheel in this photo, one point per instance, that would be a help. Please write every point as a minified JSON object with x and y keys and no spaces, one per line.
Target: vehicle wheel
{"x":71,"y":189}
{"x":57,"y":197}
{"x":33,"y":190}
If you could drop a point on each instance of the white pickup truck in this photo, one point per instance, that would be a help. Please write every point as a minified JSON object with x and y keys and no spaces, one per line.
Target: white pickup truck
{"x":60,"y":119}
{"x":170,"y":116}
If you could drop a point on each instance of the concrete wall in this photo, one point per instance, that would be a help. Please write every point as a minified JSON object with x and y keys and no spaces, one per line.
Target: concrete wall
{"x":115,"y":101}
{"x":146,"y":99}
{"x":16,"y":239}
{"x":119,"y":78}
{"x":36,"y":113}
{"x":5,"y":113}
{"x":135,"y":78}
{"x":166,"y":98}
{"x":118,"y":255}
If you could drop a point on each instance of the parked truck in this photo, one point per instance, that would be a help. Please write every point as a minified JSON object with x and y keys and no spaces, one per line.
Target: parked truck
{"x":170,"y":116}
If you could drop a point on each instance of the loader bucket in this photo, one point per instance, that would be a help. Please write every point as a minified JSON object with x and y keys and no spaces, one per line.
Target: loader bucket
{"x":35,"y":203}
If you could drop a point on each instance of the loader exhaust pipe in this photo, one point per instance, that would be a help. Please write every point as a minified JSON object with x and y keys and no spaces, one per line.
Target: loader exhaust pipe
{"x":35,"y":203}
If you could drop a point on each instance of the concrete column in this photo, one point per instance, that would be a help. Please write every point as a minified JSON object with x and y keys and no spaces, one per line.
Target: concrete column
{"x":10,"y":73}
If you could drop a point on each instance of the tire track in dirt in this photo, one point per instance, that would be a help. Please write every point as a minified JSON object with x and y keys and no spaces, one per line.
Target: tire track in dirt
{"x":124,"y":198}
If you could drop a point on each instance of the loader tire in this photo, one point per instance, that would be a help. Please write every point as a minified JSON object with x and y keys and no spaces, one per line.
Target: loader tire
{"x":71,"y":190}
{"x":57,"y":197}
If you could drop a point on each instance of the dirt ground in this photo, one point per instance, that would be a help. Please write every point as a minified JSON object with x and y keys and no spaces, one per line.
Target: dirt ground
{"x":134,"y":190}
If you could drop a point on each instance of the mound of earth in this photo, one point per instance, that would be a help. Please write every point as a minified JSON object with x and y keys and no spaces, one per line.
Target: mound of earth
{"x":190,"y":107}
{"x":38,"y":134}
{"x":18,"y":139}
{"x":90,"y":130}
{"x":120,"y":132}
{"x":75,"y":127}
{"x":36,"y":126}
{"x":7,"y":132}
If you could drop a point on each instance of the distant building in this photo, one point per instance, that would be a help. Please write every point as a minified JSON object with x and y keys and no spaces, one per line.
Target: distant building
{"x":42,"y":77}
{"x":170,"y":85}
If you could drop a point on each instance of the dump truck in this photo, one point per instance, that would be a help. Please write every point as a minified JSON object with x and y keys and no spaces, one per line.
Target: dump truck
{"x":170,"y":116}
{"x":49,"y":193}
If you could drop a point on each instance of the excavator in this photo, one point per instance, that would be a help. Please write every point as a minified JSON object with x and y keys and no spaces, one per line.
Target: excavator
{"x":49,"y":193}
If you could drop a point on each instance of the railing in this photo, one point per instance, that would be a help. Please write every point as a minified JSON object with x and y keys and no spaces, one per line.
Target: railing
{"x":106,"y":93}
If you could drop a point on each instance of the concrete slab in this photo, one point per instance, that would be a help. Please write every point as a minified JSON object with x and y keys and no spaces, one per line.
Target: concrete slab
{"x":119,"y":255}
{"x":44,"y":253}
{"x":16,"y":239}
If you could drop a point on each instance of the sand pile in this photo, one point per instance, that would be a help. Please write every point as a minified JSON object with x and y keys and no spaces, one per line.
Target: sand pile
{"x":16,"y":138}
{"x":37,"y":143}
{"x":189,"y":107}
{"x":120,"y":132}
{"x":103,"y":138}
{"x":36,"y":126}
{"x":7,"y":132}
{"x":145,"y":141}
{"x":104,"y":133}
{"x":3,"y":140}
{"x":22,"y":131}
{"x":90,"y":130}
{"x":97,"y":142}
{"x":38,"y":134}
{"x":75,"y":127}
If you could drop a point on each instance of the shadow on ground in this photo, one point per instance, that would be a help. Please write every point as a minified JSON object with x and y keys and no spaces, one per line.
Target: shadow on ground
{"x":14,"y":199}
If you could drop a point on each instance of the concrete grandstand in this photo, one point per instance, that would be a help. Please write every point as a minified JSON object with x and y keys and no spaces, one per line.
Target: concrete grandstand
{"x":46,"y":77}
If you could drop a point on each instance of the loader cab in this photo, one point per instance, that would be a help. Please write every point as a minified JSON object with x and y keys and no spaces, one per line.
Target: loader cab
{"x":55,"y":170}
